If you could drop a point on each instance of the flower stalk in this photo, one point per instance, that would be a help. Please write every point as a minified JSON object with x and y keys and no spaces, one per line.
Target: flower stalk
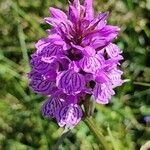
{"x":96,"y":131}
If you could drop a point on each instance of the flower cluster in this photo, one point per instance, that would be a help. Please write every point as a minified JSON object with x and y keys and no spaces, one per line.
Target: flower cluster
{"x":77,"y":59}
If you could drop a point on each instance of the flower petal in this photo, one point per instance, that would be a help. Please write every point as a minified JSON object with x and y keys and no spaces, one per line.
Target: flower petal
{"x":89,"y":9}
{"x":57,"y":13}
{"x":40,"y":84}
{"x":98,"y":23}
{"x":42,"y":66}
{"x":53,"y":21}
{"x":115,"y":77}
{"x":50,"y":107}
{"x":69,"y":115}
{"x":101,"y":77}
{"x":114,"y":51}
{"x":109,"y":31}
{"x":70,"y":82}
{"x":103,"y":93}
{"x":92,"y":64}
{"x":89,"y":51}
{"x":100,"y":38}
{"x":50,"y":46}
{"x":76,"y":3}
{"x":73,"y":14}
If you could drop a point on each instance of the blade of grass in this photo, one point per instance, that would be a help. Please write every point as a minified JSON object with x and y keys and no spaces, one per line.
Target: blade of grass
{"x":8,"y":61}
{"x":23,"y":45}
{"x":113,"y":141}
{"x":141,"y":93}
{"x":142,"y":83}
{"x":5,"y":69}
{"x":21,"y":90}
{"x":60,"y":140}
{"x":132,"y":118}
{"x":28,"y":18}
{"x":96,"y":132}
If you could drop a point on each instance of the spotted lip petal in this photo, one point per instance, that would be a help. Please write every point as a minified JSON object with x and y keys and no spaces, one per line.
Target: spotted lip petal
{"x":69,"y":115}
{"x":51,"y":106}
{"x":47,"y":48}
{"x":70,"y":82}
{"x":113,"y":51}
{"x":115,"y":77}
{"x":40,"y":84}
{"x":91,"y":64}
{"x":41,"y":66}
{"x":103,"y":93}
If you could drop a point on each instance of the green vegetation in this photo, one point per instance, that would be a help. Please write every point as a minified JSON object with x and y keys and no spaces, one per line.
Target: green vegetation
{"x":21,"y":125}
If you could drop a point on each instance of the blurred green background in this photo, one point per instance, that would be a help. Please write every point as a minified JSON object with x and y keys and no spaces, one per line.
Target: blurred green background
{"x":21,"y":125}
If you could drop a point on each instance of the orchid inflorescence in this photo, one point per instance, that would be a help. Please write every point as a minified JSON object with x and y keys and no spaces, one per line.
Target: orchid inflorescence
{"x":77,"y":60}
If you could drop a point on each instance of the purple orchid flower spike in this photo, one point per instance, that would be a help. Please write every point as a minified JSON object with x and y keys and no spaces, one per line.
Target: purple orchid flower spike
{"x":77,"y":60}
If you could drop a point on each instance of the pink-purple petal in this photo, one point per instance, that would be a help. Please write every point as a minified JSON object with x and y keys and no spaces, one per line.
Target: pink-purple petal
{"x":73,"y":14}
{"x":57,"y":13}
{"x":69,"y":115}
{"x":51,"y":106}
{"x":103,"y":93}
{"x":40,"y":84}
{"x":88,"y":4}
{"x":115,"y":77}
{"x":53,"y":21}
{"x":98,"y":23}
{"x":70,"y":82}
{"x":92,"y":64}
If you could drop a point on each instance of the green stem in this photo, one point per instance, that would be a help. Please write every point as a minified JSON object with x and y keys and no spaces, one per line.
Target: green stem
{"x":61,"y":140}
{"x":96,"y":131}
{"x":142,"y":83}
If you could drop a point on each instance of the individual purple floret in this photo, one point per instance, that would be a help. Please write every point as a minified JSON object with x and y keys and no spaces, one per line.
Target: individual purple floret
{"x":69,"y":115}
{"x":50,"y":107}
{"x":77,"y":60}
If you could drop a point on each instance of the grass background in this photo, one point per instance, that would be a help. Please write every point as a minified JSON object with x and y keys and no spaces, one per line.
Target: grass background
{"x":21,"y":125}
